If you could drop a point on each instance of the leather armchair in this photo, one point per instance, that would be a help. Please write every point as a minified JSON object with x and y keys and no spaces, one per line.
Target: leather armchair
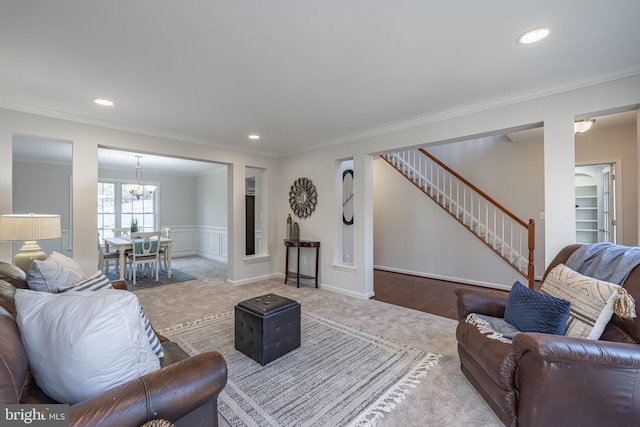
{"x":184,"y":390}
{"x":551,"y":380}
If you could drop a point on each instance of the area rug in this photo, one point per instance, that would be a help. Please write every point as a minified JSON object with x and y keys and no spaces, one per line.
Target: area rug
{"x":149,"y":281}
{"x":340,"y":376}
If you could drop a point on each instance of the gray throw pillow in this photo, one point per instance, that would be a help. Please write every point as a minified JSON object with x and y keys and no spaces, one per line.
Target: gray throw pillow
{"x":57,"y":271}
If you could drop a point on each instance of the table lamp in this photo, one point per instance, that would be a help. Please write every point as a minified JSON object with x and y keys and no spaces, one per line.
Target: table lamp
{"x":29,"y":228}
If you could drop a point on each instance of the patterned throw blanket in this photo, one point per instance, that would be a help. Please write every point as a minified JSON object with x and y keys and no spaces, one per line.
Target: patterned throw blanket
{"x":494,"y":328}
{"x":605,"y":261}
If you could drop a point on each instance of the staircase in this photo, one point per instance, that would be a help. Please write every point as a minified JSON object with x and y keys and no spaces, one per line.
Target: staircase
{"x":508,"y":236}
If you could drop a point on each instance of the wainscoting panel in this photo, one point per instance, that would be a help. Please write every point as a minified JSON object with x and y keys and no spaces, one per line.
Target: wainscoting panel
{"x":211,"y":243}
{"x":183,"y":244}
{"x":207,"y":242}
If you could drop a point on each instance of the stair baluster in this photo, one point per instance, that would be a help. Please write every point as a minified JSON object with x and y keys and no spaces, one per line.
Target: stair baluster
{"x":500,"y":230}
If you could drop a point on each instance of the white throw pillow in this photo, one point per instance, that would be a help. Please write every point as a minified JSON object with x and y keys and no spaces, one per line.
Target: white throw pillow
{"x":80,"y":344}
{"x":99,"y":281}
{"x":57,"y":271}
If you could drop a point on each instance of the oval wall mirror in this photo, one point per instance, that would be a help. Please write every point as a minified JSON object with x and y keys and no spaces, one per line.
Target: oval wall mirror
{"x":347,"y":197}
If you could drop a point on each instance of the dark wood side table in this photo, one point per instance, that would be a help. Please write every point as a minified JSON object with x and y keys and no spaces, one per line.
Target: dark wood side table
{"x":300,"y":244}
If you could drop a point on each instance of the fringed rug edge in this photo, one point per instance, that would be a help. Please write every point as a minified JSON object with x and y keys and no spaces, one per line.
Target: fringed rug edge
{"x":396,"y":394}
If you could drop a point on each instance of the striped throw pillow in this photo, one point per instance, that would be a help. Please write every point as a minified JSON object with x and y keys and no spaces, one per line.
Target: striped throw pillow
{"x":99,"y":281}
{"x":94,"y":283}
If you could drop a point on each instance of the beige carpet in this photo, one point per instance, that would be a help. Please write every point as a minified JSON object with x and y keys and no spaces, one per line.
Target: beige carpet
{"x":443,"y":398}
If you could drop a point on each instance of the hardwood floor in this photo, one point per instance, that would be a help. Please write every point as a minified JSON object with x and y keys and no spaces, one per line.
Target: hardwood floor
{"x":419,"y":293}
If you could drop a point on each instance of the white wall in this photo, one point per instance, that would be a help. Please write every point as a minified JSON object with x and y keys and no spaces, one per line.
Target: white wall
{"x":608,"y":145}
{"x":556,"y":112}
{"x":211,"y":239}
{"x":86,"y":139}
{"x":413,"y":235}
{"x":210,"y":197}
{"x":512,"y":174}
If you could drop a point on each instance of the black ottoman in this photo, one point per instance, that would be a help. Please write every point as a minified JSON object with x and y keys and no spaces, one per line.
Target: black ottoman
{"x":267,"y":327}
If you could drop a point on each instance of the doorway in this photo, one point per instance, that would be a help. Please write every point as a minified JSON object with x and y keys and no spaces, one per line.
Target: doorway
{"x":595,"y":203}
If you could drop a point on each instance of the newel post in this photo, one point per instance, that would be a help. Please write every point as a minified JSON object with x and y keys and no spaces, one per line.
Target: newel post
{"x":532,"y":238}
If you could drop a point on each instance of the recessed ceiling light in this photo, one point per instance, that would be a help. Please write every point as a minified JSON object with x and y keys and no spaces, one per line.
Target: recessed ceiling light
{"x":103,"y":102}
{"x":533,"y":36}
{"x":254,"y":136}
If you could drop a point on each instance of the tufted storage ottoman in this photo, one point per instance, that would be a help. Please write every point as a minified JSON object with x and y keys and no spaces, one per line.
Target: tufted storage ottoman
{"x":267,"y":327}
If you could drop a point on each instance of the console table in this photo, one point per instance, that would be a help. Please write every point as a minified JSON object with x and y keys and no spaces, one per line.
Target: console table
{"x":300,"y":244}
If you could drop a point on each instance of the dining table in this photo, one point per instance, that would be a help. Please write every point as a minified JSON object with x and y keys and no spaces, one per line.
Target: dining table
{"x":124,"y":243}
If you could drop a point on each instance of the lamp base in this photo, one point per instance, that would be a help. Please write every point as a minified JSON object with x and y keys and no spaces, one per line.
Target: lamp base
{"x":27,"y":254}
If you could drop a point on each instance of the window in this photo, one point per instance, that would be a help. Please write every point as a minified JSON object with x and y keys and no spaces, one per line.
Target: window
{"x":116,"y":208}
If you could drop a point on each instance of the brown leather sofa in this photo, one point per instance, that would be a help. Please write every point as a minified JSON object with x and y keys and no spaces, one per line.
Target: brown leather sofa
{"x":184,"y":391}
{"x":550,"y":380}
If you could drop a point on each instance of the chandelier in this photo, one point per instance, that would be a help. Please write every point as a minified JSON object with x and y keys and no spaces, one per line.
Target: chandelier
{"x":139,"y":190}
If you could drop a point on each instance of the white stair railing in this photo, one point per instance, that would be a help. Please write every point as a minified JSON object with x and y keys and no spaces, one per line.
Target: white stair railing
{"x":507,"y":235}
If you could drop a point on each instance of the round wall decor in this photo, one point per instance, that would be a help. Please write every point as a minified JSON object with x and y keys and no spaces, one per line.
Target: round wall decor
{"x":303,"y":197}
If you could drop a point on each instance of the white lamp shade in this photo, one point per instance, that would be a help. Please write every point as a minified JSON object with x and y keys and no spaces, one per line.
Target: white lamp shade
{"x":29,"y":228}
{"x":22,"y":227}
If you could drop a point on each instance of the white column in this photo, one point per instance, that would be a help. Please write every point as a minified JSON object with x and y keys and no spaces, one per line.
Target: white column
{"x":638,"y":162}
{"x":85,"y":204}
{"x":559,"y":183}
{"x":363,"y":221}
{"x":6,"y":182}
{"x":236,"y":220}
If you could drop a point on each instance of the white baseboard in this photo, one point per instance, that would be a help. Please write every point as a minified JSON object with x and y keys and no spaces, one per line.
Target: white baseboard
{"x":212,"y":257}
{"x":347,"y":292}
{"x":447,"y":278}
{"x":252,"y":279}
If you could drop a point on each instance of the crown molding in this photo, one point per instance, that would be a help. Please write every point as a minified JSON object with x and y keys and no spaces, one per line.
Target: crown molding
{"x":76,"y":118}
{"x":397,"y":127}
{"x":478,"y":107}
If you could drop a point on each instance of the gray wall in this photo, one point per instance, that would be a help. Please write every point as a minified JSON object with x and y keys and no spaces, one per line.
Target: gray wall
{"x":211,"y":201}
{"x":176,"y":196}
{"x":44,"y":189}
{"x":183,"y":200}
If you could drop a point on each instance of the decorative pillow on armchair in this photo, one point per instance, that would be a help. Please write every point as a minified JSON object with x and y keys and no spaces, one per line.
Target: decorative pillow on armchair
{"x":531,"y":311}
{"x":80,"y":344}
{"x":99,"y":281}
{"x":57,"y":271}
{"x":592,"y":301}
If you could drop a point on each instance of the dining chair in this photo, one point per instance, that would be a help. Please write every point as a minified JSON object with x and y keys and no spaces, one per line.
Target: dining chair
{"x":106,"y":257}
{"x":166,"y":233}
{"x":145,"y":252}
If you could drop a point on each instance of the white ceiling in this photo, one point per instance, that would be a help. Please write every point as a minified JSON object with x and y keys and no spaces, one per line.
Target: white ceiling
{"x":302,"y":74}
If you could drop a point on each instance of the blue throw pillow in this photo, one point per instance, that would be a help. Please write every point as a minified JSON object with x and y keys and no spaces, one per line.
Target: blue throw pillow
{"x":531,"y":311}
